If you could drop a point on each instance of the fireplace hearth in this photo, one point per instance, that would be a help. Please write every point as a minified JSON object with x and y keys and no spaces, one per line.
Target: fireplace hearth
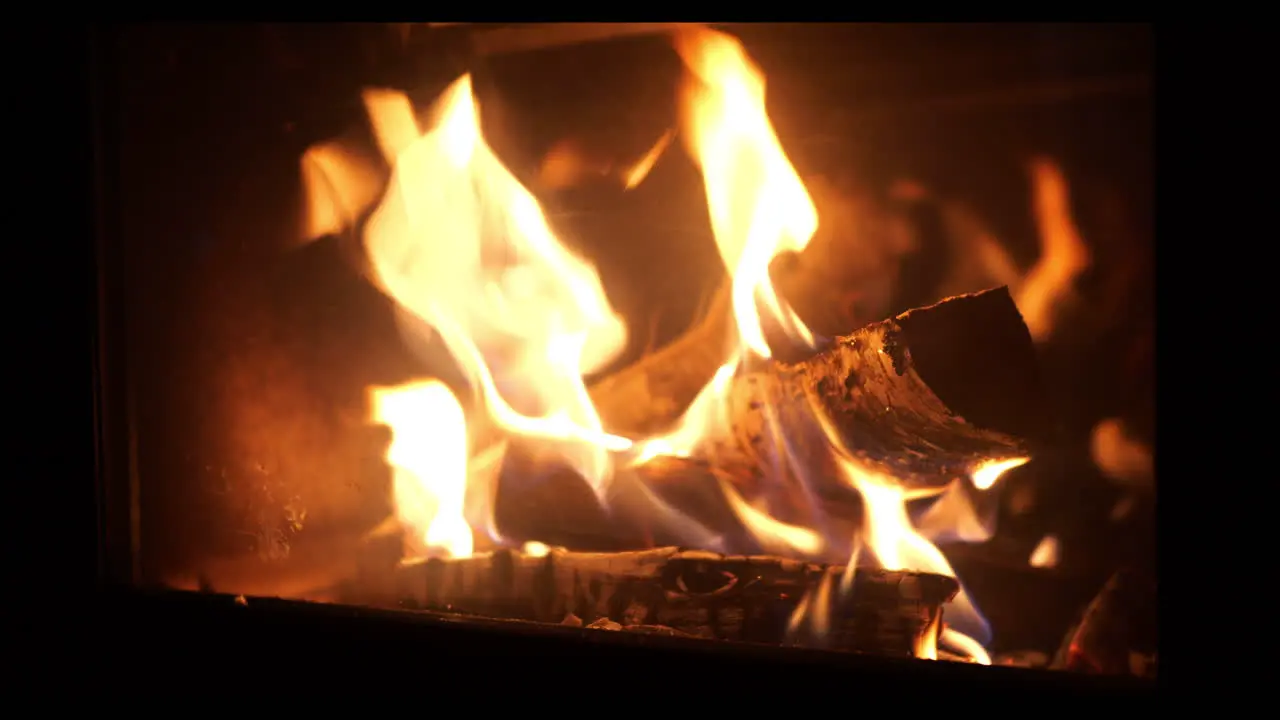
{"x":770,"y":348}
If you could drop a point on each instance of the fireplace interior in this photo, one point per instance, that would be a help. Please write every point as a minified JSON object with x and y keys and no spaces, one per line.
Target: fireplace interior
{"x":827,"y":345}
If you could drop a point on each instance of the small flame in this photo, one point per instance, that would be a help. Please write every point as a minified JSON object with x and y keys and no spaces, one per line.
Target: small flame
{"x":634,"y":175}
{"x":926,"y":647}
{"x":965,"y":645}
{"x":1046,"y":553}
{"x":1049,"y":284}
{"x":466,"y":252}
{"x":1120,"y":457}
{"x":428,"y":455}
{"x":986,"y":474}
{"x":339,"y":185}
{"x":812,"y":616}
{"x":773,"y":535}
{"x":533,"y":548}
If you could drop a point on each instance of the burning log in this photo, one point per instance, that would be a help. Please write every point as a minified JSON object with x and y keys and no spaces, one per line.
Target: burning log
{"x":924,"y":398}
{"x":681,"y":592}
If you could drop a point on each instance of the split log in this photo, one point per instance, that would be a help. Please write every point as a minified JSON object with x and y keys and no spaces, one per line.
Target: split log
{"x":923,"y":398}
{"x":674,"y":591}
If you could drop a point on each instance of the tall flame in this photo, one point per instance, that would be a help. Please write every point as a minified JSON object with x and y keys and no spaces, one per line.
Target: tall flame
{"x":758,"y":205}
{"x":461,"y":245}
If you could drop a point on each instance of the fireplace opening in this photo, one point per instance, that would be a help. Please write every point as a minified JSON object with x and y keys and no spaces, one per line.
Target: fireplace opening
{"x":832,"y":337}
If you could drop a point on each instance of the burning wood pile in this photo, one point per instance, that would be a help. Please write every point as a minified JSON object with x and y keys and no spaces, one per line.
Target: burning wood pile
{"x":748,"y":481}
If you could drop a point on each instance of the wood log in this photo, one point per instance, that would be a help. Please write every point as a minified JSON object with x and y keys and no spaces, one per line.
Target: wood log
{"x":923,"y":398}
{"x":674,"y":591}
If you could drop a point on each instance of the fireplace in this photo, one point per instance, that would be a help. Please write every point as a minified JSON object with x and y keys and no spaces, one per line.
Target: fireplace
{"x":820,"y":345}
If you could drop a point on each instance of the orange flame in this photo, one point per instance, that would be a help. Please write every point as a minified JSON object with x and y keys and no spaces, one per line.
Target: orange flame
{"x":1047,"y":287}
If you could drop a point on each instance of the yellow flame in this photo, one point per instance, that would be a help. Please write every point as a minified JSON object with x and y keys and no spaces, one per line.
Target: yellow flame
{"x":758,"y":205}
{"x":896,"y":544}
{"x":428,"y":456}
{"x":460,"y":244}
{"x":987,"y":473}
{"x":773,"y":535}
{"x":1046,"y":553}
{"x":926,"y":645}
{"x":965,"y":645}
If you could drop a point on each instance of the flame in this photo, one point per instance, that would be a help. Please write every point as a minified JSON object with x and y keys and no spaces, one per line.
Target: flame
{"x":428,"y":456}
{"x":926,"y":647}
{"x":1046,"y":553}
{"x":639,"y":170}
{"x":758,"y":205}
{"x":987,"y":473}
{"x":466,"y":252}
{"x":463,"y":247}
{"x":775,"y":536}
{"x":533,"y":548}
{"x":897,"y":546}
{"x":339,"y":184}
{"x":1048,"y":286}
{"x":1121,"y":458}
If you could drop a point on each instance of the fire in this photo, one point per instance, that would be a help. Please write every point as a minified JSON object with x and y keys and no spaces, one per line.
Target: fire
{"x":466,"y":251}
{"x":463,"y":247}
{"x":897,"y":546}
{"x":428,"y":456}
{"x":1047,"y":288}
{"x":986,"y":474}
{"x":1046,"y":553}
{"x":759,"y":207}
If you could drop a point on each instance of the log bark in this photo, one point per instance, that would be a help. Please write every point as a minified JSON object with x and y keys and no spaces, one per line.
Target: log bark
{"x":684,"y":592}
{"x":922,"y":398}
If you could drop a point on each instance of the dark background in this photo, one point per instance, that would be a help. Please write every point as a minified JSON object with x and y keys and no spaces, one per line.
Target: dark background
{"x":247,"y":353}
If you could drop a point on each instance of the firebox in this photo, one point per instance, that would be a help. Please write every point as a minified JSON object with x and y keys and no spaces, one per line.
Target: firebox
{"x":826,"y":344}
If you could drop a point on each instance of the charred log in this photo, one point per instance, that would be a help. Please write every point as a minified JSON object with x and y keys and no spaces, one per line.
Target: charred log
{"x":683,"y":592}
